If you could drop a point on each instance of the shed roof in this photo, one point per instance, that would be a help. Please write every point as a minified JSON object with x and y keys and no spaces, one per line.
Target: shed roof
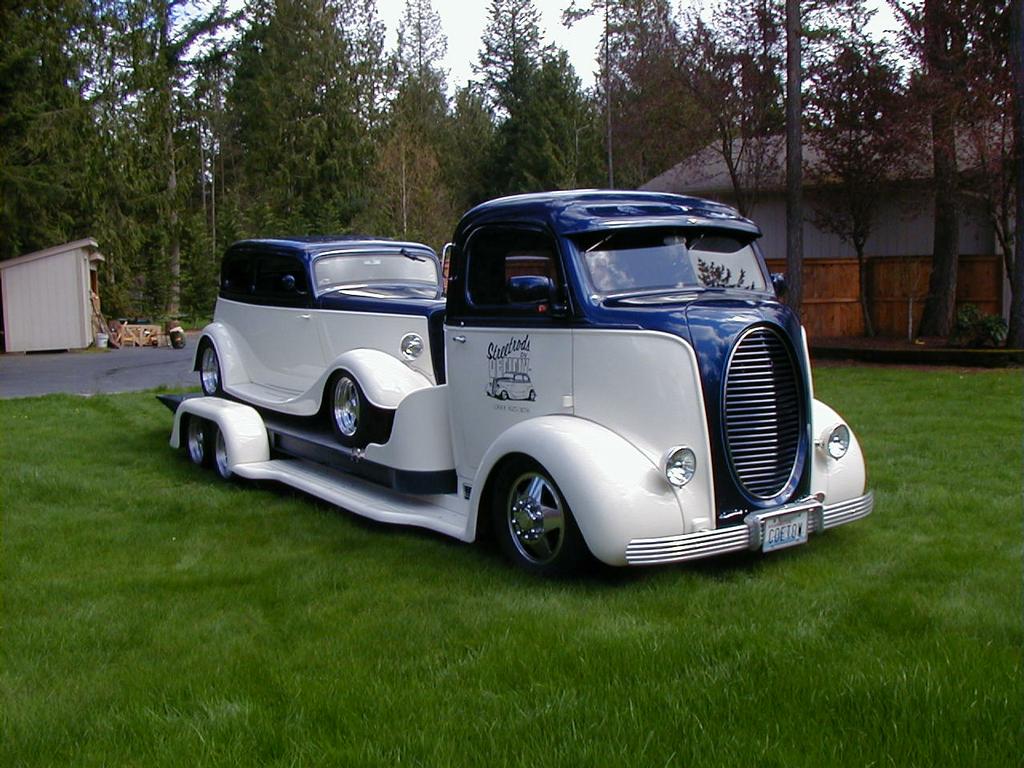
{"x":87,"y":244}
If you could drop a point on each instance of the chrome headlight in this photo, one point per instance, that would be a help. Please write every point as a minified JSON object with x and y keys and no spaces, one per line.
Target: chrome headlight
{"x":679,"y":466}
{"x":412,"y":346}
{"x":838,"y":442}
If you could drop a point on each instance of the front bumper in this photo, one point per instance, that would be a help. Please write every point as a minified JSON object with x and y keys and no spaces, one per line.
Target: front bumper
{"x":693,"y":546}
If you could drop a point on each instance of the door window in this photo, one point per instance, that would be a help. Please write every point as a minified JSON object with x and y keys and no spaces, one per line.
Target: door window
{"x":281,"y":281}
{"x":507,"y":269}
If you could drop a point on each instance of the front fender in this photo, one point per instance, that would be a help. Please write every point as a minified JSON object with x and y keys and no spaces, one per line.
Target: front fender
{"x":839,"y":479}
{"x":385,"y":380}
{"x":614,"y":491}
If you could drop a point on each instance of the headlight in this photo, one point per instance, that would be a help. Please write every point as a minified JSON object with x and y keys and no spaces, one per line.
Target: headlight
{"x":838,"y":441}
{"x":412,"y":346}
{"x":679,"y":465}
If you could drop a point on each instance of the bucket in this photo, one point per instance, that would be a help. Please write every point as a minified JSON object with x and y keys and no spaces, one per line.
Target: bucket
{"x":101,"y":340}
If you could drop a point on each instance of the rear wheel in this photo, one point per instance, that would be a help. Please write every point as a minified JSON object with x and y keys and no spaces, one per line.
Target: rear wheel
{"x":220,"y":456}
{"x":209,"y":370}
{"x":197,"y":440}
{"x":533,"y":522}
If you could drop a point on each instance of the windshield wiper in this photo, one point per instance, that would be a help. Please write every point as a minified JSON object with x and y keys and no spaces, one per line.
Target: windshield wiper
{"x":409,"y":255}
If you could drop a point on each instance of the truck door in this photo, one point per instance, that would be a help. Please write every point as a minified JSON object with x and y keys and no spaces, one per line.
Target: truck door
{"x":508,"y":345}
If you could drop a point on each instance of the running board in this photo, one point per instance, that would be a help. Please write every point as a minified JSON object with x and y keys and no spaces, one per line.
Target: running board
{"x":360,"y":496}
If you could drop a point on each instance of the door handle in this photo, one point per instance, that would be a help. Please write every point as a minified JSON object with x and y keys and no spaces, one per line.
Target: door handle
{"x":460,"y":339}
{"x":304,"y":317}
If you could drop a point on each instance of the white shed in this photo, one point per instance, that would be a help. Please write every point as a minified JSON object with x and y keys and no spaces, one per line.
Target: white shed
{"x":46,"y":297}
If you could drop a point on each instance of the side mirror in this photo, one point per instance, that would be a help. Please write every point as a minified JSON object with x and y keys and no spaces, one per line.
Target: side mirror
{"x":779,"y":284}
{"x":529,"y":289}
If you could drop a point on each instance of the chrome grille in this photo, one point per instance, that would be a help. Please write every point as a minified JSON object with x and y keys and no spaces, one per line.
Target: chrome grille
{"x":762,"y":413}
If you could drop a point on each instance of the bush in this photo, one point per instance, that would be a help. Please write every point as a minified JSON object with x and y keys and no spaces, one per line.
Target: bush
{"x":977,"y":330}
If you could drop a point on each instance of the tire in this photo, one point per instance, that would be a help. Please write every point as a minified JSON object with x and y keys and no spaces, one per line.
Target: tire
{"x":209,"y":370}
{"x":534,"y":526}
{"x":533,"y":395}
{"x":198,"y":442}
{"x":353,"y":419}
{"x":503,"y":395}
{"x":220,"y":455}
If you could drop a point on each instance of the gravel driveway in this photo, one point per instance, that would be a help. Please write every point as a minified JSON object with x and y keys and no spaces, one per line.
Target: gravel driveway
{"x":94,"y":371}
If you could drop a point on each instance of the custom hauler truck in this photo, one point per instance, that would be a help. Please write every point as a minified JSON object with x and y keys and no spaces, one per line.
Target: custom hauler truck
{"x":611,"y":374}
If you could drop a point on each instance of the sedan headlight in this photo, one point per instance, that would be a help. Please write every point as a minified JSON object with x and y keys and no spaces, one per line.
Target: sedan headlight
{"x":412,"y":346}
{"x":838,"y":442}
{"x":679,"y":465}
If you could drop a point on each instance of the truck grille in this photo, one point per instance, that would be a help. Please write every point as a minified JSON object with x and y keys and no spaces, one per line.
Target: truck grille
{"x":762,"y":413}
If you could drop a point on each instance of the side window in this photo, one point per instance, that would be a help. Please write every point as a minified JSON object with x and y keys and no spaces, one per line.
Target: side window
{"x":500,"y":263}
{"x":281,"y":280}
{"x":236,"y":276}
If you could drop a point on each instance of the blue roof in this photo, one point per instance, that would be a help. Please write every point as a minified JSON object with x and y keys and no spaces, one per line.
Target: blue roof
{"x":576,"y":211}
{"x":313,"y":245}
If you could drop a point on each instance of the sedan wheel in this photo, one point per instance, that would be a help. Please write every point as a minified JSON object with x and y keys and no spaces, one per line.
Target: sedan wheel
{"x":209,"y":371}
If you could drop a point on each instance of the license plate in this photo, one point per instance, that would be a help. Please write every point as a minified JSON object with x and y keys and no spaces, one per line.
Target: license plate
{"x":785,"y":531}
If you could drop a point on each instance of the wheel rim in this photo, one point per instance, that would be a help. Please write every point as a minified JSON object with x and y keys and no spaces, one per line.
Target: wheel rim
{"x":209,"y":371}
{"x":196,"y":440}
{"x":346,"y":406}
{"x":220,"y":456}
{"x":536,"y":518}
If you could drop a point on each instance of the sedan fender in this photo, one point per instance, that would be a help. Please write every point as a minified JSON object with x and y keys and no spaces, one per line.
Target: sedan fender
{"x":615,"y":493}
{"x":232,"y":367}
{"x":385,"y":380}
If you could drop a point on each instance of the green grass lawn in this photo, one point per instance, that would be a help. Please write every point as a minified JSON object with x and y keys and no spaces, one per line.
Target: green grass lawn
{"x":153,"y":615}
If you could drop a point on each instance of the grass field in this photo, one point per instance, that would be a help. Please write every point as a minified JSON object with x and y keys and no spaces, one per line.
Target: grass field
{"x":152,"y":615}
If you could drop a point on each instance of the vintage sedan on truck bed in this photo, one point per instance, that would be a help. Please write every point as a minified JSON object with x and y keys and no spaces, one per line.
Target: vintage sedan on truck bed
{"x":611,"y":374}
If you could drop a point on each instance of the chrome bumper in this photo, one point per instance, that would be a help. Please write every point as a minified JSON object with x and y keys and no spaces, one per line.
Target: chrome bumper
{"x":693,"y":546}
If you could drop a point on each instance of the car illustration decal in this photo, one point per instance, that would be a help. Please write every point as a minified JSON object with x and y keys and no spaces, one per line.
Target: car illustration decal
{"x":509,"y":369}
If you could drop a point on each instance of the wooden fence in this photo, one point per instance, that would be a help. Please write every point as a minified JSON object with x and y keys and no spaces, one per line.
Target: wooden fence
{"x":897,"y":288}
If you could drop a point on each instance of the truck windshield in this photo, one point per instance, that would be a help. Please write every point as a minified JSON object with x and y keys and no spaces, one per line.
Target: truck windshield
{"x":630,"y":262}
{"x":397,"y":273}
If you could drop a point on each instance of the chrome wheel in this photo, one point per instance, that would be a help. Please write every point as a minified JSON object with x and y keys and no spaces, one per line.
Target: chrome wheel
{"x":209,"y":371}
{"x":536,"y":518}
{"x":345,"y":406}
{"x":220,"y":456}
{"x":195,"y":440}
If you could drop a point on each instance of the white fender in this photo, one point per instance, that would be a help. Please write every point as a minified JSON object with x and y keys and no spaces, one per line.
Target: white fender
{"x":385,"y":380}
{"x":839,"y":479}
{"x":232,"y":368}
{"x":614,"y":491}
{"x":245,"y":435}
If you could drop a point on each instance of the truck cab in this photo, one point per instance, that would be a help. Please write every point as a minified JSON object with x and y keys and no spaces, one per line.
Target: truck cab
{"x":611,"y":375}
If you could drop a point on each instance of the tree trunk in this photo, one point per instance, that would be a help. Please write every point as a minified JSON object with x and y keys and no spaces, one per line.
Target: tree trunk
{"x":794,"y":160}
{"x":1015,"y":337}
{"x":862,"y":278}
{"x":174,"y":235}
{"x":937,"y":318}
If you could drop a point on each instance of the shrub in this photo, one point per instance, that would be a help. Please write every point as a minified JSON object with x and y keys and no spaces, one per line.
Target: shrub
{"x":976,"y":330}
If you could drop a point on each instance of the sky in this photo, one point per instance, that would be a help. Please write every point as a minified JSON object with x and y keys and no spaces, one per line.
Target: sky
{"x":463,"y":22}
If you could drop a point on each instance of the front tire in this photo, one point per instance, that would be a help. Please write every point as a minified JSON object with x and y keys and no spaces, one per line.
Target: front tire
{"x":351,"y":415}
{"x":535,"y":528}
